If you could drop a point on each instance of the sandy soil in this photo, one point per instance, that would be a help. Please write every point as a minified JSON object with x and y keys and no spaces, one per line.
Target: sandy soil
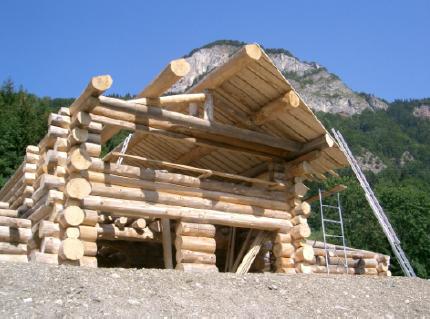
{"x":42,"y":291}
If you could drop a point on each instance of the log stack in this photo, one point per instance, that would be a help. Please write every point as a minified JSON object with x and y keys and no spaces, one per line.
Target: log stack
{"x":14,"y":234}
{"x":79,"y":226}
{"x":359,"y":262}
{"x":18,"y":189}
{"x":195,"y":247}
{"x":48,"y":197}
{"x":293,"y":254}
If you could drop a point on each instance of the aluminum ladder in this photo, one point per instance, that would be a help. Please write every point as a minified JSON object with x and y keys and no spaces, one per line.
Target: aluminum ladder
{"x":376,"y":208}
{"x":338,"y":222}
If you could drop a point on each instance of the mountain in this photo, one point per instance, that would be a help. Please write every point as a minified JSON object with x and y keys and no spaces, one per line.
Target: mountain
{"x":321,"y":90}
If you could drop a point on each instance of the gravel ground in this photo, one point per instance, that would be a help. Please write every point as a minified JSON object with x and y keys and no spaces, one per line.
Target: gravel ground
{"x":43,"y":291}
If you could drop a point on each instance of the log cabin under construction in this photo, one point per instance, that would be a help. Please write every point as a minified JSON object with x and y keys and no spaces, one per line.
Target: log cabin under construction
{"x":210,"y":180}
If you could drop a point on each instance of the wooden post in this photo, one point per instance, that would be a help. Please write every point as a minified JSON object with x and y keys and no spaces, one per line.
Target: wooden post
{"x":167,"y":243}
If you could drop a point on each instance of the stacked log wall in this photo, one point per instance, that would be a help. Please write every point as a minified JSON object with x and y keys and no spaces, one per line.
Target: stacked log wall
{"x":14,"y":234}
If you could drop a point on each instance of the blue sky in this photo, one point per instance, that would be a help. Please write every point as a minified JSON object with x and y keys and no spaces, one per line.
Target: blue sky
{"x":52,"y":48}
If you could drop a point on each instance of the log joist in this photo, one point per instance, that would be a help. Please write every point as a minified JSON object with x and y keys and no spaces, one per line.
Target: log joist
{"x":138,"y":209}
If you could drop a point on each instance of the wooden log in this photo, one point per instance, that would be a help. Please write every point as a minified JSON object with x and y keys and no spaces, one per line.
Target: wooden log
{"x":70,"y":232}
{"x":121,"y":222}
{"x":200,"y":127}
{"x":79,"y":159}
{"x":283,"y":238}
{"x":193,"y":267}
{"x":78,"y":136}
{"x":382,"y":268}
{"x":14,"y":222}
{"x":38,"y":257}
{"x":55,"y":131}
{"x":91,"y":218}
{"x":48,"y":229}
{"x":300,"y":231}
{"x":334,"y":190}
{"x":366,"y":271}
{"x":139,"y":224}
{"x":332,"y":269}
{"x":189,"y":256}
{"x":349,"y":253}
{"x":284,"y":262}
{"x":13,"y":249}
{"x":62,"y":121}
{"x":172,"y":101}
{"x":253,"y":251}
{"x":167,"y":243}
{"x":71,"y":249}
{"x":50,"y":245}
{"x":98,"y":189}
{"x":155,"y":226}
{"x":305,"y":253}
{"x":283,"y":250}
{"x":248,"y":54}
{"x":139,"y":209}
{"x":99,"y":165}
{"x":110,"y":232}
{"x":78,"y":188}
{"x":231,"y":193}
{"x":299,"y":220}
{"x":88,"y":233}
{"x":368,"y":263}
{"x":71,"y":216}
{"x":173,"y":72}
{"x":32,"y":149}
{"x":14,"y":235}
{"x":8,"y":212}
{"x":97,"y":86}
{"x":302,"y":208}
{"x":194,"y":229}
{"x":14,"y":258}
{"x":202,"y":244}
{"x":4,"y":205}
{"x":61,"y":145}
{"x":90,"y":248}
{"x":339,"y":261}
{"x":273,"y":109}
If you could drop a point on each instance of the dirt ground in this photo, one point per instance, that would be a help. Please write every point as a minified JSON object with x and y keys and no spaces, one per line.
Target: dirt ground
{"x":42,"y":291}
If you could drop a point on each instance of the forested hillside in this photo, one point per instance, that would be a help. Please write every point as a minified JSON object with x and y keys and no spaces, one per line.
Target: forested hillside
{"x":403,"y":187}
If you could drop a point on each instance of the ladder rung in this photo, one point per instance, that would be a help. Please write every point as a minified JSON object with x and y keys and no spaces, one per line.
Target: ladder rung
{"x":332,"y":221}
{"x":334,"y":236}
{"x":330,"y":206}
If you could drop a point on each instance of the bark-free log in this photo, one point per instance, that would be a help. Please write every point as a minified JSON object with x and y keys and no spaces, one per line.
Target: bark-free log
{"x":8,"y":212}
{"x":284,"y":262}
{"x":50,"y":245}
{"x":14,"y":235}
{"x":192,"y":267}
{"x":202,"y":244}
{"x":13,"y":249}
{"x":189,"y":256}
{"x":48,"y":229}
{"x":78,"y":188}
{"x":71,"y":216}
{"x":121,"y":192}
{"x":194,"y":229}
{"x":305,"y":253}
{"x":97,"y":86}
{"x":79,"y":159}
{"x":174,"y":71}
{"x":71,"y":249}
{"x":283,"y":250}
{"x":300,"y":231}
{"x":139,"y":224}
{"x":110,"y":232}
{"x":139,"y":209}
{"x":43,"y":258}
{"x":273,"y":109}
{"x":14,"y":222}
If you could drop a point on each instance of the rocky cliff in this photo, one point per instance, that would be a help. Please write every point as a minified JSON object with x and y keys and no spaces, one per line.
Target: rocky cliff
{"x":321,"y":90}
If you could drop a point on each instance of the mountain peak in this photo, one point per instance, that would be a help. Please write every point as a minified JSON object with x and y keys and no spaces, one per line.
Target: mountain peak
{"x":320,"y":89}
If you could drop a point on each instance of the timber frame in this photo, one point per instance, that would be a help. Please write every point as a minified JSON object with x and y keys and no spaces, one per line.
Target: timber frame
{"x":217,"y":170}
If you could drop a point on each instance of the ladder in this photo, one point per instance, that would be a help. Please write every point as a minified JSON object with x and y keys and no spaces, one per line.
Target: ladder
{"x":376,"y":208}
{"x":338,"y":222}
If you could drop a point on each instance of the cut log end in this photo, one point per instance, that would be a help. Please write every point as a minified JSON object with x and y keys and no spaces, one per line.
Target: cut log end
{"x":78,"y":188}
{"x":180,"y":67}
{"x":101,"y":83}
{"x":253,"y":51}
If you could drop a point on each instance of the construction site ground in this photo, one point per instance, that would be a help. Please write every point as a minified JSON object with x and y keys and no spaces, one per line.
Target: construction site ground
{"x":44,"y":291}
